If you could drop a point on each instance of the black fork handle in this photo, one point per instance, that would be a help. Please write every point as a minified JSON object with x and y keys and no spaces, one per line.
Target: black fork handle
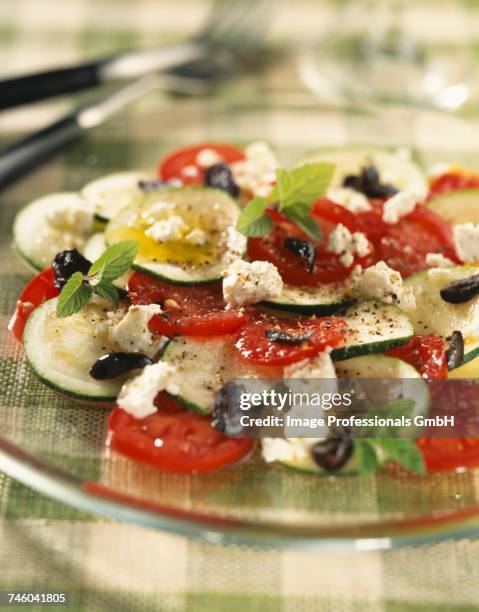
{"x":43,"y":85}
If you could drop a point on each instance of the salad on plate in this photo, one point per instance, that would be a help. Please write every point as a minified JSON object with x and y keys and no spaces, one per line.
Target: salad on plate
{"x":154,"y":292}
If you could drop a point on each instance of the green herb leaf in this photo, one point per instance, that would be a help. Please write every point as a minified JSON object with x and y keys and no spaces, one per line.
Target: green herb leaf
{"x":114,"y":262}
{"x":74,"y":295}
{"x":366,"y":457}
{"x":308,"y":224}
{"x":108,"y":291}
{"x":253,"y":221}
{"x":302,"y":185}
{"x":405,"y":452}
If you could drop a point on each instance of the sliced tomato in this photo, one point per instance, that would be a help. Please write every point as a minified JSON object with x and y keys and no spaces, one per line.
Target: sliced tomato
{"x":326,"y":269}
{"x":307,"y":337}
{"x":174,"y":439}
{"x":181,"y":164}
{"x":190,"y":311}
{"x":444,"y":454}
{"x":40,"y":289}
{"x":426,"y":353}
{"x":452,"y":181}
{"x":404,"y":245}
{"x":330,"y":214}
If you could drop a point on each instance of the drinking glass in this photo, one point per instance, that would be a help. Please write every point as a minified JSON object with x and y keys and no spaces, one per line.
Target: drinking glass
{"x":394,"y":51}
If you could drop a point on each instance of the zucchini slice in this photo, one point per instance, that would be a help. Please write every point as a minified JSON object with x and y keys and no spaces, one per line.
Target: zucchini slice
{"x":322,"y":300}
{"x":432,"y":315}
{"x":180,"y":261}
{"x":470,"y":367}
{"x":471,"y":351}
{"x":399,"y":172}
{"x":205,"y":365}
{"x":111,"y":193}
{"x":62,"y":350}
{"x":376,"y":366}
{"x":36,"y":240}
{"x":94,"y":247}
{"x":369,"y":366}
{"x":461,"y":206}
{"x":373,"y":327}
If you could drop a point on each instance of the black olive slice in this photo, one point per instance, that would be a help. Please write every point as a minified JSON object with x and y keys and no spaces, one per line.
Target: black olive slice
{"x":368,"y":182}
{"x":283,"y":337}
{"x":219,"y":176}
{"x":333,"y":453}
{"x":66,"y":263}
{"x":112,"y":365}
{"x":152,"y":185}
{"x":227,"y":414}
{"x":455,"y":351}
{"x":461,"y":291}
{"x":370,"y":175}
{"x":303,"y":249}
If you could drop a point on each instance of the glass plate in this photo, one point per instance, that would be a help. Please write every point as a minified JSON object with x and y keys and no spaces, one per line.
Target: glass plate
{"x":58,"y":447}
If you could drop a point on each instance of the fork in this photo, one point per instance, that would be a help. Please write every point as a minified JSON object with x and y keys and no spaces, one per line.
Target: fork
{"x":233,"y":29}
{"x":227,"y":47}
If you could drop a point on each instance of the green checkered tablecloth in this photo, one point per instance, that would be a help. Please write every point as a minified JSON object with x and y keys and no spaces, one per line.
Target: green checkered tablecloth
{"x":46,"y":545}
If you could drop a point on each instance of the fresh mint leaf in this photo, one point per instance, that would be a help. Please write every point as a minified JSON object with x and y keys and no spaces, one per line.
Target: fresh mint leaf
{"x":74,"y":295}
{"x":366,"y":457}
{"x":108,"y":291}
{"x":302,"y":185}
{"x":114,"y":262}
{"x":253,"y":221}
{"x":405,"y":452}
{"x":308,"y":224}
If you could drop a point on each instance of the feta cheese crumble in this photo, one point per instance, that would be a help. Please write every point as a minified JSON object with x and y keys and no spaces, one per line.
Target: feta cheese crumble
{"x":437,"y":260}
{"x":382,"y":283}
{"x":158,"y":210}
{"x":196,"y":237}
{"x":320,"y":366}
{"x":256,"y":172}
{"x":137,"y":395}
{"x":207,"y":158}
{"x":348,"y":198}
{"x":250,"y":282}
{"x":72,"y":217}
{"x":132,"y":333}
{"x":167,"y":230}
{"x":342,"y":242}
{"x":235,"y":244}
{"x":399,"y":205}
{"x":466,"y":239}
{"x":285,"y":449}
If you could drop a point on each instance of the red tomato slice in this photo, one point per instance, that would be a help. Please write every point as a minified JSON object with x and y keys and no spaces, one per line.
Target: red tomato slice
{"x":174,"y":440}
{"x":444,"y":454}
{"x":181,"y":164}
{"x":39,"y":290}
{"x":327,"y":267}
{"x":426,"y":353}
{"x":404,"y":245}
{"x":452,"y":181}
{"x":255,"y":346}
{"x":194,"y":311}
